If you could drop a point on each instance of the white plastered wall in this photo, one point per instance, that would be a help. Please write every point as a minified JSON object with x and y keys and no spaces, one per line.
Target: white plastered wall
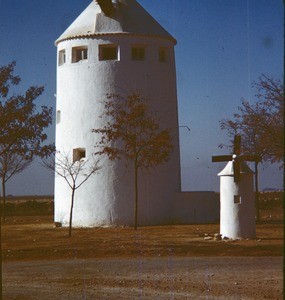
{"x":237,"y":220}
{"x":107,"y":197}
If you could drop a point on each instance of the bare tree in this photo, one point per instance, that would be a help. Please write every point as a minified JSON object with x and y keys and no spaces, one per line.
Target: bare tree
{"x":75,"y":173}
{"x":22,"y":123}
{"x":260,"y":125}
{"x":141,"y":140}
{"x":22,"y":126}
{"x":11,"y":164}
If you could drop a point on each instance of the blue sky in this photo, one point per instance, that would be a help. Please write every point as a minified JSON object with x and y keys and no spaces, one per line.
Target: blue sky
{"x":223,"y":46}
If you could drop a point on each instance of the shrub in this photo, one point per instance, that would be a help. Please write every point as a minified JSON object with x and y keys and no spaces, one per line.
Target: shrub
{"x":30,"y":207}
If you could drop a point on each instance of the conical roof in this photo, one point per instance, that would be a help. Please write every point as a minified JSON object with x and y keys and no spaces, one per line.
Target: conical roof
{"x":128,"y":18}
{"x":229,"y":169}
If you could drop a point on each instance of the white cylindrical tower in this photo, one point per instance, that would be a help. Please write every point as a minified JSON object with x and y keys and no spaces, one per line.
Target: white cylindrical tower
{"x":118,"y":48}
{"x":237,"y":212}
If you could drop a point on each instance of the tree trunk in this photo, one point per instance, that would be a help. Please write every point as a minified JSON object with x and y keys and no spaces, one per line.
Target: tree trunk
{"x":71,"y":211}
{"x":4,"y":200}
{"x":256,"y":191}
{"x":136,"y":197}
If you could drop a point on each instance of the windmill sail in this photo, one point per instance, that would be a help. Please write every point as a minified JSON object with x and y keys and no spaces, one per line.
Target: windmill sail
{"x":236,"y":158}
{"x":222,"y":158}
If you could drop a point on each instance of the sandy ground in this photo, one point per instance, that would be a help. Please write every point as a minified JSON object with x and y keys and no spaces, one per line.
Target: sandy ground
{"x":164,"y":262}
{"x":146,"y":278}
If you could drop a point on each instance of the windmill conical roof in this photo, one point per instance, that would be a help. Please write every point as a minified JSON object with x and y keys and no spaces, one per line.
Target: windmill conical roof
{"x":229,"y":169}
{"x":128,"y":18}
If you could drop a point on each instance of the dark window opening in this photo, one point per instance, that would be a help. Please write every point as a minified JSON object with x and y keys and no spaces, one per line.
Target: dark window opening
{"x":237,"y":199}
{"x":138,"y":53}
{"x":79,"y":53}
{"x":108,"y":52}
{"x":162,"y":55}
{"x":78,"y":154}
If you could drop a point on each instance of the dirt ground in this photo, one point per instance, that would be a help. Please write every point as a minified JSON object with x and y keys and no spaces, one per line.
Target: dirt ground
{"x":161,"y":262}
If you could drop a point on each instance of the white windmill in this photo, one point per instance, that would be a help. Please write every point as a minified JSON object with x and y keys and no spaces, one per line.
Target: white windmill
{"x":114,"y":47}
{"x":237,"y":209}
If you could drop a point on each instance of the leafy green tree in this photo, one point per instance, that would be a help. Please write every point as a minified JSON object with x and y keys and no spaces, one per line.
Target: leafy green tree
{"x":133,"y":132}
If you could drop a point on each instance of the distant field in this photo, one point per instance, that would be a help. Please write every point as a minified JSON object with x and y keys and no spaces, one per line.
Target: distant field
{"x":29,"y":205}
{"x":270,"y":205}
{"x":275,"y":197}
{"x":29,"y":198}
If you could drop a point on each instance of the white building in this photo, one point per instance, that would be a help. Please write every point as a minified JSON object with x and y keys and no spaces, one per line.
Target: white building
{"x":117,"y":51}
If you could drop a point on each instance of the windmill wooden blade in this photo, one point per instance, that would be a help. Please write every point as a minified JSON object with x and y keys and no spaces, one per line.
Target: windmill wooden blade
{"x":236,"y":171}
{"x":236,"y":158}
{"x":237,"y":144}
{"x":222,"y":158}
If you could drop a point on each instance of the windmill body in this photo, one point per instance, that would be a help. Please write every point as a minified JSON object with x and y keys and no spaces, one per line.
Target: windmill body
{"x":237,"y":201}
{"x":114,"y":47}
{"x":237,"y":210}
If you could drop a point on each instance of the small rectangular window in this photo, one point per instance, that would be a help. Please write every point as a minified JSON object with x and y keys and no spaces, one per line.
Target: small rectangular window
{"x":78,"y":154}
{"x":162,"y":55}
{"x":79,"y":53}
{"x":237,"y":199}
{"x":58,"y":116}
{"x":108,"y":52}
{"x":61,"y":57}
{"x":138,"y":53}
